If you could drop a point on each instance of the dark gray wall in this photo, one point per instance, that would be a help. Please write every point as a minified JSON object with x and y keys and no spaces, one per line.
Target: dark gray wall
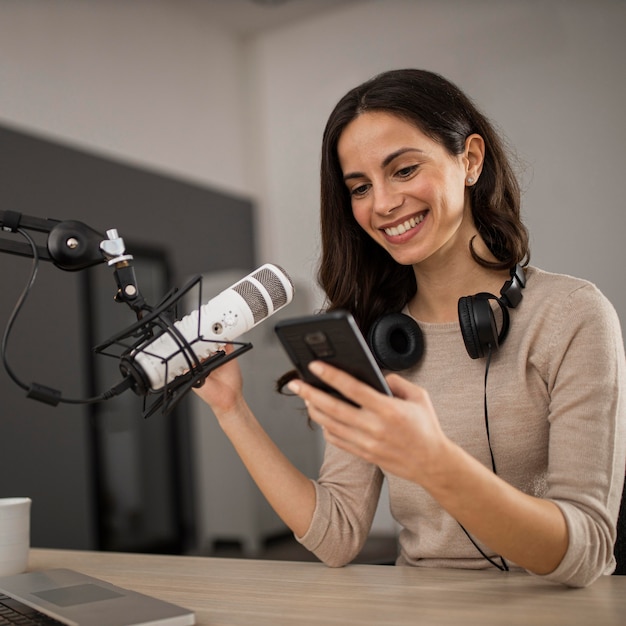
{"x":45,"y":452}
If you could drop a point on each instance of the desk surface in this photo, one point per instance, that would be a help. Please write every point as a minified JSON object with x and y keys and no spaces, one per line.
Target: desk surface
{"x":226,"y":592}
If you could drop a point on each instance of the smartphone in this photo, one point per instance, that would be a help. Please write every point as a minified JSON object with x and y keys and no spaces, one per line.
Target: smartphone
{"x":335,"y":338}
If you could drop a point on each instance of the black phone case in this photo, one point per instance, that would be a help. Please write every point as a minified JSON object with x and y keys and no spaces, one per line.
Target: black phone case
{"x":335,"y":338}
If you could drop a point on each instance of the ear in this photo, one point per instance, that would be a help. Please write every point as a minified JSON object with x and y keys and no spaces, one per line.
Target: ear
{"x":473,"y":157}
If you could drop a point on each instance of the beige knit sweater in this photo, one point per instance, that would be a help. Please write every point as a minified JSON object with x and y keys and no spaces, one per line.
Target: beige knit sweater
{"x":557,"y":418}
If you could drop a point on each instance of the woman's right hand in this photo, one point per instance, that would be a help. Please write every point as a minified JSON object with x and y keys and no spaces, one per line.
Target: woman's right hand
{"x":222,"y":390}
{"x":289,"y":491}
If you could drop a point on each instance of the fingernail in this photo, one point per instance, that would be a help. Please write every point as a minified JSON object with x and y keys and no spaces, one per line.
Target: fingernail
{"x":293,"y":386}
{"x":316,"y":367}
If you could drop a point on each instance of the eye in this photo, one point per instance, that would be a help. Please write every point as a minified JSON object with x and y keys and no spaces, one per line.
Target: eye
{"x":406,"y":172}
{"x":360,"y":190}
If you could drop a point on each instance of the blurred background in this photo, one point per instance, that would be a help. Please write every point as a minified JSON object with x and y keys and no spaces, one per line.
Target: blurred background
{"x":194,"y":128}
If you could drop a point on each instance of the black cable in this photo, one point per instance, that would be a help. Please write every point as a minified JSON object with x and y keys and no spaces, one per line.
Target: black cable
{"x":502,"y":566}
{"x":18,"y":307}
{"x":493,"y":461}
{"x":35,"y":390}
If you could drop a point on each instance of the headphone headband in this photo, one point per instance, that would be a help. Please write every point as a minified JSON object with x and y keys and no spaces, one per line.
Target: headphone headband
{"x":511,"y":292}
{"x":396,"y":339}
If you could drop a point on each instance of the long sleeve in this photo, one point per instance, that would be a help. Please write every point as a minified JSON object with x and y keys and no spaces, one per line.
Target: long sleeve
{"x":586,"y":382}
{"x":347,"y":492}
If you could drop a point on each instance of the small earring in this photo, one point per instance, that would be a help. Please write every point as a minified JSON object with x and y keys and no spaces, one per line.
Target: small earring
{"x":470,"y":180}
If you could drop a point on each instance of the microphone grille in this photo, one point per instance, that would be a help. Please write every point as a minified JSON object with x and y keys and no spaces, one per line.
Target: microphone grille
{"x":254,"y":299}
{"x":274,"y":285}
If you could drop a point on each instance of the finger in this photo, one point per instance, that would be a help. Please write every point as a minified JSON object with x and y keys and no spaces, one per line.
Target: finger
{"x":358,"y":392}
{"x":322,"y":406}
{"x":340,"y":421}
{"x":341,"y":430}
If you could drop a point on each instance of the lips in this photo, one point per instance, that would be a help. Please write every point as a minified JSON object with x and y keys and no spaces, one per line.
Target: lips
{"x":405,"y":226}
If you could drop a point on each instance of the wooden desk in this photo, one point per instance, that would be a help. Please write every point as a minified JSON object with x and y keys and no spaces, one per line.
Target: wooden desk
{"x":226,"y":592}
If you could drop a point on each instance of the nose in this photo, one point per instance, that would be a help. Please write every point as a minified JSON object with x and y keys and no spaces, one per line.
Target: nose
{"x":386,"y":199}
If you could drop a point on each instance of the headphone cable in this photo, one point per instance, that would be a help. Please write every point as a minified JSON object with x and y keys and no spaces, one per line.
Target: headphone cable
{"x":502,"y":566}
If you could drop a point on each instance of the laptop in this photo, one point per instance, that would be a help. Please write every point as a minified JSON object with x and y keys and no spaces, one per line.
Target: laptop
{"x":76,"y":599}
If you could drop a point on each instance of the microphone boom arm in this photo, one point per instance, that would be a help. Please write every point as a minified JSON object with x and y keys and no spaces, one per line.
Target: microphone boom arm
{"x":72,"y":246}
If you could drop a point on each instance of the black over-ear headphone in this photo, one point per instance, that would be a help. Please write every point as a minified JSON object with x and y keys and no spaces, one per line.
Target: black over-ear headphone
{"x":397,"y":342}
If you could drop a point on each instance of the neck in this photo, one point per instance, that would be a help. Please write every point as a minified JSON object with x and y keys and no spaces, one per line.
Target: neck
{"x":441,"y":284}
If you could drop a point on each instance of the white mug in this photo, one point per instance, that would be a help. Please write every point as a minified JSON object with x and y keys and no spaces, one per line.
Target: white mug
{"x":14,"y":535}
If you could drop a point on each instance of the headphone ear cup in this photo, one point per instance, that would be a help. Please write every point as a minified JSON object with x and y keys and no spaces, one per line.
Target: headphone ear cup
{"x":396,"y":341}
{"x":478,"y":324}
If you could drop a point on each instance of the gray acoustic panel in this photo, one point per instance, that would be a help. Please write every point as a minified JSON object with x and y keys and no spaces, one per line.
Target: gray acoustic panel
{"x":46,"y":452}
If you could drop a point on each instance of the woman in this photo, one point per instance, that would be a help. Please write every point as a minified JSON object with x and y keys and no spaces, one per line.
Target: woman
{"x":514,"y":457}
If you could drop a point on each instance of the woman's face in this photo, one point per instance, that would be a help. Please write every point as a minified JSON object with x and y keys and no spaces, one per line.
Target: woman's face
{"x":407,"y":192}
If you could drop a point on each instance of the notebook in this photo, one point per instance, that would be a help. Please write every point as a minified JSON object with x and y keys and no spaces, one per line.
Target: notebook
{"x":79,"y":600}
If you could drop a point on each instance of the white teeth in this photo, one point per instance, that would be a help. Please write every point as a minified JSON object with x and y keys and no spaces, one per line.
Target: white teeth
{"x":402,"y":228}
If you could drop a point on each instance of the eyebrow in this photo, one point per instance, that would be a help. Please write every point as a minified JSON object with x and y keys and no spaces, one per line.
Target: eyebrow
{"x":386,"y":161}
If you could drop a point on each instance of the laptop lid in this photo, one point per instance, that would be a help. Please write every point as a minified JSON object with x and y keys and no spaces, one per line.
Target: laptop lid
{"x":77,"y":599}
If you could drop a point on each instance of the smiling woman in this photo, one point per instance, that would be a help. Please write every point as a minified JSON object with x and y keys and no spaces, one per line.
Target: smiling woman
{"x":409,"y":197}
{"x":489,"y":441}
{"x":447,"y":127}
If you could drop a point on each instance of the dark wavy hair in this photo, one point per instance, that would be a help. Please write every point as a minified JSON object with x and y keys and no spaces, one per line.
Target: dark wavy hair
{"x":357,"y":274}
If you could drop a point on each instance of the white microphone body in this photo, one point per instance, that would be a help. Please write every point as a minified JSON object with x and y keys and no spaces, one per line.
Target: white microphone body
{"x":222,"y":319}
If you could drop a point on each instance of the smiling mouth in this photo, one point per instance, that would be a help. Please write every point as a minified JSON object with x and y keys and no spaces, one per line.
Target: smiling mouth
{"x":400,"y":229}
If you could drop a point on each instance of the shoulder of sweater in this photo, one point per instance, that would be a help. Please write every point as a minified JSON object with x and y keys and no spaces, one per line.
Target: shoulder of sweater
{"x":545,"y":284}
{"x":545,"y":278}
{"x":561,"y":292}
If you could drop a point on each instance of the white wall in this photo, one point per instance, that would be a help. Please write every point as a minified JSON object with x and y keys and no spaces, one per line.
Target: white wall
{"x":550,"y":74}
{"x":156,"y":82}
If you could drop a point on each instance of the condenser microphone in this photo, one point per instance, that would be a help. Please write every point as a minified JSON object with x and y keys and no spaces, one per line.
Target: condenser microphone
{"x":205,"y":331}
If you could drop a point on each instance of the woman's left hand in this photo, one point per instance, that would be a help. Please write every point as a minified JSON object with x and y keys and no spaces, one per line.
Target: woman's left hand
{"x":400,"y":434}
